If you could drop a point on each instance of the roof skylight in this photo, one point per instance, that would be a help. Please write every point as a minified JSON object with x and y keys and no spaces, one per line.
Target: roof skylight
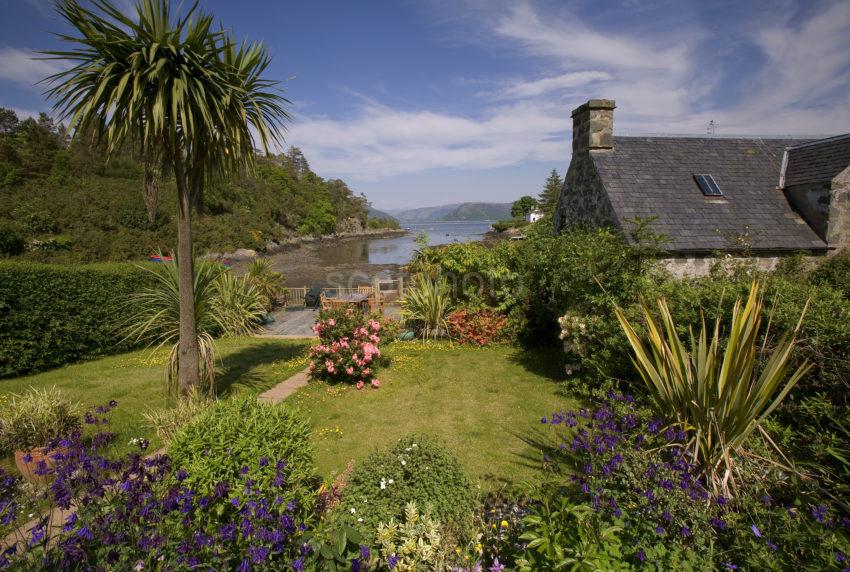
{"x":708,"y":185}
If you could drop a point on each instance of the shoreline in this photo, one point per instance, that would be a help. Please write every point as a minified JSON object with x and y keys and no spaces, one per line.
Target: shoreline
{"x":276,"y":247}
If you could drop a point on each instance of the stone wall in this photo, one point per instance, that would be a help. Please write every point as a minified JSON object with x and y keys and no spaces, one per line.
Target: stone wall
{"x":825,"y":207}
{"x":583,"y":198}
{"x":686,"y":266}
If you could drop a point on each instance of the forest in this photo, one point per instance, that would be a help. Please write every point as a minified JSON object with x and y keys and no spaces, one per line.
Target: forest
{"x":62,"y":200}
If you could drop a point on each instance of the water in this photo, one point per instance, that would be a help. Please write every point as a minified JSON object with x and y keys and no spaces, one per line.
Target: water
{"x":355,"y":261}
{"x":399,"y":249}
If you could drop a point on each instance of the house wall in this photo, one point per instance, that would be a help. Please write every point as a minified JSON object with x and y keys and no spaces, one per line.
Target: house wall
{"x":826,"y":208}
{"x":693,"y":266}
{"x":583,"y":197}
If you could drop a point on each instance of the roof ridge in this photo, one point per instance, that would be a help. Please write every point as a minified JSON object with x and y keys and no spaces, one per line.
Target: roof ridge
{"x":820,"y":141}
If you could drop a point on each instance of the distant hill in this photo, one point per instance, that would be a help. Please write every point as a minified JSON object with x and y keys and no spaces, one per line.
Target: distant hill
{"x":375,"y":213}
{"x":456,"y":211}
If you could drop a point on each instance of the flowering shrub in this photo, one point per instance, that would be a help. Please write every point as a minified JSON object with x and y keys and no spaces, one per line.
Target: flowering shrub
{"x":415,"y":469}
{"x":480,"y":328}
{"x":634,"y":488}
{"x":137,"y":513}
{"x":239,"y":439}
{"x":577,"y":333}
{"x":348,"y":348}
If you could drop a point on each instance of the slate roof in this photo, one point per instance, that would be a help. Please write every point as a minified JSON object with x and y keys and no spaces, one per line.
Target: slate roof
{"x":817,"y":161}
{"x":654,"y":177}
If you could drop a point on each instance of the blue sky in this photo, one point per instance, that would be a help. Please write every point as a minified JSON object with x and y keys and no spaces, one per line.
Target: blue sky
{"x":425,"y":102}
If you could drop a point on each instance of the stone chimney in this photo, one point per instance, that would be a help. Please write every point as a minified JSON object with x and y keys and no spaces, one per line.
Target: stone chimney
{"x":593,"y":126}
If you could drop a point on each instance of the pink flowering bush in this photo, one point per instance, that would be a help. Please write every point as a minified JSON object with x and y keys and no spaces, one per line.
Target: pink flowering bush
{"x":348,"y":348}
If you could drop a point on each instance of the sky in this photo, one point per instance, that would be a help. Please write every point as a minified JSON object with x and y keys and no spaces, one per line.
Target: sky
{"x":428,"y":102}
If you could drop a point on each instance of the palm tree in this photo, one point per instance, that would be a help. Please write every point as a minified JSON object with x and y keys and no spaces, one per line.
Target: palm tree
{"x":179,"y":89}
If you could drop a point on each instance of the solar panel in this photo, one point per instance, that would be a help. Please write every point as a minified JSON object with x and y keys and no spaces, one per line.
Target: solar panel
{"x":708,"y":186}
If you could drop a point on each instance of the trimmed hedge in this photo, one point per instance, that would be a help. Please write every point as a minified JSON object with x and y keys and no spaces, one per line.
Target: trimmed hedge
{"x":51,"y":315}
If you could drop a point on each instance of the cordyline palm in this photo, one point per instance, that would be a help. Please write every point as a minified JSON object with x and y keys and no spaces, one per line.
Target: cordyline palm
{"x":720,"y":395}
{"x":181,"y":90}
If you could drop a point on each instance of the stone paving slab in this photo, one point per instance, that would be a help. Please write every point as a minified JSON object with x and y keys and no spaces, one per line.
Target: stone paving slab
{"x":285,"y":388}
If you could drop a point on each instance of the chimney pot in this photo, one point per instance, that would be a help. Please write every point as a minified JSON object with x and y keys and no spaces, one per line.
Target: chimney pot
{"x":593,"y":125}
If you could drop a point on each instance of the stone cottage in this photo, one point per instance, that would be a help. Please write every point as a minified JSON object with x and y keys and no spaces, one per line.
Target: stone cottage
{"x":709,"y":195}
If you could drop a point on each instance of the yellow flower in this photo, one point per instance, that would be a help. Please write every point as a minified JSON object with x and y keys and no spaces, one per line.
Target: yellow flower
{"x":504,"y":524}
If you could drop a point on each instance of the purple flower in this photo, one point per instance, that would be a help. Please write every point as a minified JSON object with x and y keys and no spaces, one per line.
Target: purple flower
{"x":840,"y":557}
{"x":496,"y":567}
{"x":641,"y":555}
{"x":392,"y":560}
{"x":244,"y":566}
{"x":756,"y":531}
{"x":298,"y":564}
{"x":659,"y":529}
{"x":364,"y":552}
{"x":771,"y":545}
{"x":819,"y":513}
{"x":686,"y":532}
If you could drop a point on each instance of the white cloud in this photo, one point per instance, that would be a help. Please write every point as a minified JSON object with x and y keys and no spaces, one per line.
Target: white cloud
{"x":383,"y":142}
{"x":20,"y":66}
{"x":522,"y":88}
{"x":658,"y":83}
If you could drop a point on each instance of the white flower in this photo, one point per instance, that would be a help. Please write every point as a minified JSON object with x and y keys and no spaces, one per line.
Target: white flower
{"x":383,"y":484}
{"x":360,"y":519}
{"x":353,"y":510}
{"x":403,"y":462}
{"x":391,"y":481}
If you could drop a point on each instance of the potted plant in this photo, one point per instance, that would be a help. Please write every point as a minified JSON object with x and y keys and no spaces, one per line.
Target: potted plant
{"x":29,"y":421}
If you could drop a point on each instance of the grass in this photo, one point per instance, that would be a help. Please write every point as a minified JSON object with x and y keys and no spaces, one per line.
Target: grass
{"x":485,"y":404}
{"x":137,"y":380}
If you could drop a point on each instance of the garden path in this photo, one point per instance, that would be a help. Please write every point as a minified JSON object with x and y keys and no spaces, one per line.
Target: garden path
{"x":285,"y":388}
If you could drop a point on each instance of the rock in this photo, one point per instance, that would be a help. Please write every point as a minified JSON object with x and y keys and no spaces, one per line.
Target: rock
{"x":243,"y":253}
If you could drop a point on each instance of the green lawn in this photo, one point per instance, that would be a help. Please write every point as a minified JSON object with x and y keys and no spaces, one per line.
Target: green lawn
{"x":485,"y":404}
{"x":137,"y":380}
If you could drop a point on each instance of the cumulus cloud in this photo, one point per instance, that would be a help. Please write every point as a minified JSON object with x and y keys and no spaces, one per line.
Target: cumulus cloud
{"x":19,"y":65}
{"x":382,"y":142}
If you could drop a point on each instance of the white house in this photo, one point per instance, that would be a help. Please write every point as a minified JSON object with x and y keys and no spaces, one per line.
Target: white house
{"x":534,"y":216}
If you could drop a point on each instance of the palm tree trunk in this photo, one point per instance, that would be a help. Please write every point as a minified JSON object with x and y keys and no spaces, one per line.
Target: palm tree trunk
{"x":188,"y":355}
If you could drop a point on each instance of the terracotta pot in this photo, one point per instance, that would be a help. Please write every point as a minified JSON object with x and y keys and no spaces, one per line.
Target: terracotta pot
{"x":28,"y":470}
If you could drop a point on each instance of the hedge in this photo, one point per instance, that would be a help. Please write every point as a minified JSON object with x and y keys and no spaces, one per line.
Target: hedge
{"x":51,"y":315}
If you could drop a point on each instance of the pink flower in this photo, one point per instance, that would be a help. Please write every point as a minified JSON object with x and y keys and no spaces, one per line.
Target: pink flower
{"x":360,"y":384}
{"x":376,"y":384}
{"x":332,"y":322}
{"x":349,"y":370}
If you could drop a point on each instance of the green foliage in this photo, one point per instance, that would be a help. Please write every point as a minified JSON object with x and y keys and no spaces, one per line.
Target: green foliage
{"x":417,"y":542}
{"x":719,"y":399}
{"x":835,"y":272}
{"x":426,"y":305}
{"x":333,"y":550}
{"x":237,"y":305}
{"x":382,"y":223}
{"x":523,"y":207}
{"x":478,"y":275}
{"x":168,"y":421}
{"x":551,"y":193}
{"x":243,"y":436}
{"x":416,"y":469}
{"x":32,"y":419}
{"x":503,"y":225}
{"x":11,"y":241}
{"x":267,"y":282}
{"x":561,"y":535}
{"x":52,"y":315}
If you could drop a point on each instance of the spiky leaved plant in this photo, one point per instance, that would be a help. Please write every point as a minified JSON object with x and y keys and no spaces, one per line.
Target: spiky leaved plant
{"x":719,"y":395}
{"x":427,"y":304}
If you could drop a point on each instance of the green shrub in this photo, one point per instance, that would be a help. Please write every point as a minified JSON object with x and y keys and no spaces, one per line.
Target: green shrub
{"x":167,"y":422}
{"x":11,"y":241}
{"x":835,"y":272}
{"x":416,"y":469}
{"x":417,"y":542}
{"x":34,"y":418}
{"x":238,"y":437}
{"x":52,"y":315}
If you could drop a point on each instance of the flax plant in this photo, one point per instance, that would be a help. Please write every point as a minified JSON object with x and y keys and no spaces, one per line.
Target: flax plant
{"x":426,"y":305}
{"x":719,"y":395}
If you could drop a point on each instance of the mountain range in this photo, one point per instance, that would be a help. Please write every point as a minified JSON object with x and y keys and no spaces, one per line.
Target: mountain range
{"x":454,"y":212}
